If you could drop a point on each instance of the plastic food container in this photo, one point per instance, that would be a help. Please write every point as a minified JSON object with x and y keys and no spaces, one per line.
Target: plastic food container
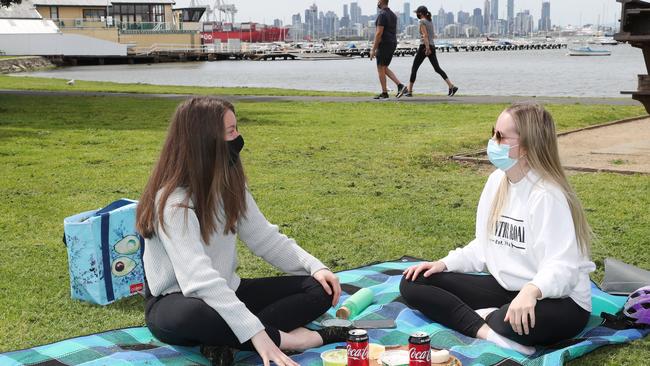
{"x":335,"y":357}
{"x":394,"y":358}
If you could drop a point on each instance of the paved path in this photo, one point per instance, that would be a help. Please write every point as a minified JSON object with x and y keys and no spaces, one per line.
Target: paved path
{"x":423,"y":99}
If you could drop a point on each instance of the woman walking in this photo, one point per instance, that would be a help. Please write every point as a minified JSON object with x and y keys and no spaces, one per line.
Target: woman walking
{"x":427,"y":49}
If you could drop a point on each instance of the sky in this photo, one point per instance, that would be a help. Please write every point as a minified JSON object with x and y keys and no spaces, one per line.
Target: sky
{"x":563,"y":12}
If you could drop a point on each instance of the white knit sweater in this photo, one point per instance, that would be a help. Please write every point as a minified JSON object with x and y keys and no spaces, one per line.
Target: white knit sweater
{"x":179,"y":261}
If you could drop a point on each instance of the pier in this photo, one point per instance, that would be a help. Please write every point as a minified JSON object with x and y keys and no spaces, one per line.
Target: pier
{"x":159,"y":53}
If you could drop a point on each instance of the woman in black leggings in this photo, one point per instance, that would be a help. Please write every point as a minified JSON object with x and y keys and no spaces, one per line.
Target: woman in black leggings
{"x":427,"y":50}
{"x":195,"y":207}
{"x":531,"y":247}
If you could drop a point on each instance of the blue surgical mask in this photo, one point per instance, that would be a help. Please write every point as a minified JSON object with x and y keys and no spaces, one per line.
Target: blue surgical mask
{"x":499,"y":155}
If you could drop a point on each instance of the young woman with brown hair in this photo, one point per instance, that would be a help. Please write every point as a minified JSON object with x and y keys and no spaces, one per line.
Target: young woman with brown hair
{"x":194,"y":207}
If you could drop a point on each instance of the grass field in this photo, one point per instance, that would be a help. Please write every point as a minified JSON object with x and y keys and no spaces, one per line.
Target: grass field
{"x":352,"y":182}
{"x":36,"y":83}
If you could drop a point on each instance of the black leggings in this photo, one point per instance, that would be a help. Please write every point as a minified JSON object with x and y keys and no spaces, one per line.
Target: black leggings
{"x":281,"y":304}
{"x":449,"y":299}
{"x":419,"y":58}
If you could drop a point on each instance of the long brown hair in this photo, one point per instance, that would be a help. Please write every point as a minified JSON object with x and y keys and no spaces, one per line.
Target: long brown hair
{"x":536,"y":130}
{"x":195,"y":157}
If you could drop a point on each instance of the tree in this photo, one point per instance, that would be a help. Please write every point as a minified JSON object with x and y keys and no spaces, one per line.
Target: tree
{"x":7,"y":3}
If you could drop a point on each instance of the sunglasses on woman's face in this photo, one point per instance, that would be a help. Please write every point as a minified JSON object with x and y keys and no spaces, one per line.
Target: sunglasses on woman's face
{"x":498,"y":137}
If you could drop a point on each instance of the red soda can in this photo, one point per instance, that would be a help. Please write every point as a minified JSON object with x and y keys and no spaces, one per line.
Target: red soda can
{"x":419,"y":349}
{"x":358,"y":348}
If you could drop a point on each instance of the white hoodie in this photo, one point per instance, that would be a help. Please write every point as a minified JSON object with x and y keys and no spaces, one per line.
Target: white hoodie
{"x":534,"y":242}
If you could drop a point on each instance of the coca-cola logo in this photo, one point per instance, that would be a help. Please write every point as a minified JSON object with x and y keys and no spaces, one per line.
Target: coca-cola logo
{"x":357,"y":353}
{"x":420,"y":356}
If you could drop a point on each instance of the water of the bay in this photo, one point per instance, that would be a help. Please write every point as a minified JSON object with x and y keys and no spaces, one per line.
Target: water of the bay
{"x":527,"y":73}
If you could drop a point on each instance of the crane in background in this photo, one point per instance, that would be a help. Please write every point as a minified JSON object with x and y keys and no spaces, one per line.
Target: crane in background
{"x":217,"y":11}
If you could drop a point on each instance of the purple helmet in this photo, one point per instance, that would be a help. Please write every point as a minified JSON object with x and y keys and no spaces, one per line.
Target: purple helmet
{"x":637,"y":306}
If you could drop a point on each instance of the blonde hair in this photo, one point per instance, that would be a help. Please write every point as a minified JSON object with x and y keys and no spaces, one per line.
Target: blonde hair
{"x":537,"y":136}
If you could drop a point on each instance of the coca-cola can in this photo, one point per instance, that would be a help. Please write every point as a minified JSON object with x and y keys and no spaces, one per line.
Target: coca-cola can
{"x":358,"y":348}
{"x":419,"y":349}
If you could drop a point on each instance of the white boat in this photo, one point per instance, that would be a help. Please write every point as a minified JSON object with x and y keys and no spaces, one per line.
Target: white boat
{"x":604,"y":41}
{"x":588,"y":51}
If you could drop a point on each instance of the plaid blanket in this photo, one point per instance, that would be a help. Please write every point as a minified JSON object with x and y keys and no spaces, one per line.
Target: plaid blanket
{"x":136,"y":346}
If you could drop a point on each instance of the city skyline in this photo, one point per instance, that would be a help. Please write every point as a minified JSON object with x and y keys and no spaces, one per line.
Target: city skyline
{"x":563,"y":13}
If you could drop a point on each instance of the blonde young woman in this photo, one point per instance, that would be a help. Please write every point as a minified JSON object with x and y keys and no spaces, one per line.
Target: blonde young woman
{"x":532,"y":240}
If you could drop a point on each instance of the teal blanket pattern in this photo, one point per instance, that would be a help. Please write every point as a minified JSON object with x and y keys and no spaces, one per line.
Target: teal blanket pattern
{"x":136,"y":346}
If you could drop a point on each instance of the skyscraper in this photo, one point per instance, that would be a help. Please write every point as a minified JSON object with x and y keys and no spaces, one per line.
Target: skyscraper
{"x":486,"y":17}
{"x":477,"y":20}
{"x":511,"y":16}
{"x":345,"y":20}
{"x":463,"y":18}
{"x":296,"y":20}
{"x":355,"y":12}
{"x":524,"y":23}
{"x":406,"y":15}
{"x":494,"y":12}
{"x":545,"y":21}
{"x":311,"y":21}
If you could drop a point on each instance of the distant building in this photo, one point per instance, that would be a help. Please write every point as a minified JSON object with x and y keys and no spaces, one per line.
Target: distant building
{"x":277,"y":23}
{"x":296,"y":19}
{"x":494,"y":12}
{"x":452,"y":31}
{"x":135,"y":22}
{"x":345,"y":20}
{"x":511,"y":16}
{"x":355,"y":13}
{"x":449,"y":19}
{"x":545,"y":21}
{"x":524,"y":23}
{"x":24,"y":31}
{"x":405,"y":18}
{"x":477,"y":20}
{"x":463,"y":18}
{"x":486,"y":16}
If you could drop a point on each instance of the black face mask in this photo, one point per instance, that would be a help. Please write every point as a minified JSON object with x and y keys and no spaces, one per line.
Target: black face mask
{"x":234,"y":147}
{"x":378,"y":5}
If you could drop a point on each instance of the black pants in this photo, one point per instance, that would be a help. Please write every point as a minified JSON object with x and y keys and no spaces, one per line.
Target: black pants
{"x":281,"y":304}
{"x":449,"y":299}
{"x":419,"y":58}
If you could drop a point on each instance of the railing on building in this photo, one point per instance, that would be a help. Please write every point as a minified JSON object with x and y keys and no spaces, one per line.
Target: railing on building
{"x":122,"y":27}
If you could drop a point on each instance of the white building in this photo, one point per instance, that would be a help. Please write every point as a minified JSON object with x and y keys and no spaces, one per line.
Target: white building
{"x":24,"y":32}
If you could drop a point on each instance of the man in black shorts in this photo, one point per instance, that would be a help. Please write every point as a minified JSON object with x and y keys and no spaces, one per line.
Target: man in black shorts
{"x":384,"y":47}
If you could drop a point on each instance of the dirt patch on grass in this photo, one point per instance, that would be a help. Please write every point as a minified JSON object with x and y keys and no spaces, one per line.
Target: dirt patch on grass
{"x":620,"y":147}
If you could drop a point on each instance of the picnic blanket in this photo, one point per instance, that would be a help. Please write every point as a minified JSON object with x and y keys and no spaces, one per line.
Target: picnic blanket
{"x":136,"y":346}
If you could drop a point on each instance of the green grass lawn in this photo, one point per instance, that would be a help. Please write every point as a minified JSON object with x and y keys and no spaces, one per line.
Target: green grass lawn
{"x":352,"y":182}
{"x":52,"y":84}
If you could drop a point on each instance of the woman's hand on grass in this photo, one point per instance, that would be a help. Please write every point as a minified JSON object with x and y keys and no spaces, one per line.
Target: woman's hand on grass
{"x":428,"y":268}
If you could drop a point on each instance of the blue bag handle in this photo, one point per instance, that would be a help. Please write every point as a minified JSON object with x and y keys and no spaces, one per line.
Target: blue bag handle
{"x":106,"y":257}
{"x":113,"y":206}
